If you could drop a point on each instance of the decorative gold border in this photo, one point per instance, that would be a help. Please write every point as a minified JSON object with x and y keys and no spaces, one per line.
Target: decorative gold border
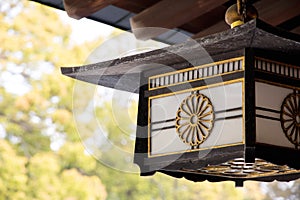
{"x":242,"y":58}
{"x":251,"y":177}
{"x":198,"y":88}
{"x":238,"y":168}
{"x":279,"y":63}
{"x":276,"y":62}
{"x":240,"y":80}
{"x":276,"y":84}
{"x":243,"y":110}
{"x":194,"y":150}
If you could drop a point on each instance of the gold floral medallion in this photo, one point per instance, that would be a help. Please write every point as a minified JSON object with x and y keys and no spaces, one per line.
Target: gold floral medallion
{"x":290,"y":118}
{"x":194,"y":119}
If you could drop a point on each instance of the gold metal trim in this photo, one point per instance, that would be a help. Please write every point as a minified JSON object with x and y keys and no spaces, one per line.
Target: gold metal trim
{"x":194,"y":119}
{"x":238,"y":168}
{"x":198,"y":88}
{"x":237,"y":23}
{"x":277,"y":84}
{"x":199,"y":67}
{"x":194,"y":150}
{"x":290,"y":118}
{"x":279,"y":63}
{"x":281,"y":75}
{"x":149,"y":128}
{"x":243,"y":109}
{"x":240,"y":80}
{"x":242,"y":58}
{"x":276,"y":62}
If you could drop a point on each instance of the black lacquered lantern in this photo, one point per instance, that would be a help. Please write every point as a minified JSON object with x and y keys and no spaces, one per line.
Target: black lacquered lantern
{"x":223,"y":107}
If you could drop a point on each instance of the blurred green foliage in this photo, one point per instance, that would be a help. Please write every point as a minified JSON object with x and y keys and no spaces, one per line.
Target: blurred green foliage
{"x":41,"y":154}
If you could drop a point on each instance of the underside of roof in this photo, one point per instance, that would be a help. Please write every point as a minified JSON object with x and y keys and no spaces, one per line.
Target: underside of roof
{"x":208,"y":17}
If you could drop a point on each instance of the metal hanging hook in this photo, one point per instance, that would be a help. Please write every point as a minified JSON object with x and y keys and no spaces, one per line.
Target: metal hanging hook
{"x":242,"y":8}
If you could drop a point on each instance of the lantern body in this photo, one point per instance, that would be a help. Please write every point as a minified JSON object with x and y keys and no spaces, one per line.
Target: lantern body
{"x":226,"y":107}
{"x":236,"y":118}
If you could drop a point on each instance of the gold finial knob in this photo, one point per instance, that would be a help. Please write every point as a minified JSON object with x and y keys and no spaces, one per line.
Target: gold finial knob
{"x":234,"y":19}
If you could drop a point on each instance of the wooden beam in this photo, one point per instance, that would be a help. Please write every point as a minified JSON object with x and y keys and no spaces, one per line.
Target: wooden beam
{"x":135,"y":6}
{"x":82,"y":8}
{"x":218,"y":27}
{"x":212,"y":17}
{"x":291,"y":23}
{"x":169,"y":14}
{"x":296,"y":30}
{"x":270,"y":11}
{"x":277,"y":12}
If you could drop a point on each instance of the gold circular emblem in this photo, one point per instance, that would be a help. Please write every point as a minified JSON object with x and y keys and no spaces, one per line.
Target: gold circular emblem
{"x":290,"y":118}
{"x":194,"y":119}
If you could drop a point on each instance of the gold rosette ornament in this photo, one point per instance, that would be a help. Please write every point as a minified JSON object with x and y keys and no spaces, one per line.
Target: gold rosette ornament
{"x":290,"y":118}
{"x":194,"y":119}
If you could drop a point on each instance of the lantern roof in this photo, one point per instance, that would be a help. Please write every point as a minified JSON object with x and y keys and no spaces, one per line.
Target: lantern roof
{"x":254,"y":34}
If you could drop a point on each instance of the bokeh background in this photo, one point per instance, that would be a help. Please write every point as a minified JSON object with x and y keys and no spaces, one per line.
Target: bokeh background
{"x":47,"y":151}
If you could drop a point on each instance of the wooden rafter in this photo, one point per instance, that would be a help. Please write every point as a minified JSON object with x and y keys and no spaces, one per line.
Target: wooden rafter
{"x":199,"y":17}
{"x":277,"y":12}
{"x":273,"y":12}
{"x":213,"y":17}
{"x":218,"y":27}
{"x":82,"y":8}
{"x":296,"y":30}
{"x":169,"y":14}
{"x":135,"y":6}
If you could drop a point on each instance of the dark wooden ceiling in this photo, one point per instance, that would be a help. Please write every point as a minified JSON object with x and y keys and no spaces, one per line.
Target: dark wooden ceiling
{"x":281,"y":13}
{"x":197,"y":18}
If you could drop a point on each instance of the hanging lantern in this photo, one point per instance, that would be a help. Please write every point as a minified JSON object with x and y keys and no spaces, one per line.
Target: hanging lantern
{"x":226,"y":107}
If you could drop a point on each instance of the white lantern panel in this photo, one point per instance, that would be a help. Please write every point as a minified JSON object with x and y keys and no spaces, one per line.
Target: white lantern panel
{"x":269,"y":99}
{"x":226,"y":101}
